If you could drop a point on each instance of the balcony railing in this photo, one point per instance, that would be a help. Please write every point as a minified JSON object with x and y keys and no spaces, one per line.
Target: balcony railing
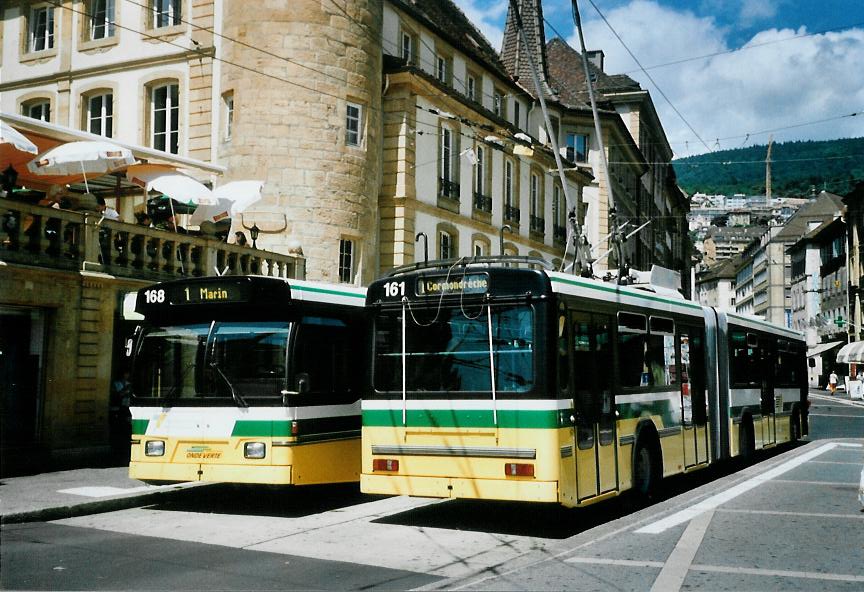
{"x":511,"y":214}
{"x":448,"y":190}
{"x":483,"y":203}
{"x":538,"y":225}
{"x":61,"y":239}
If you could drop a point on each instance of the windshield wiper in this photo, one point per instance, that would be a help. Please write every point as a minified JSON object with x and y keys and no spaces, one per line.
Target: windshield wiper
{"x":238,"y":399}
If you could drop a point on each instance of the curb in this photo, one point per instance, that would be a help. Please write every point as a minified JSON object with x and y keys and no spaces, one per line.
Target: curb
{"x":98,"y":506}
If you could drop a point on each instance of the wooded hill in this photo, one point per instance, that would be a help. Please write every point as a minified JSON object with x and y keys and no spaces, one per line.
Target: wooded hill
{"x":797,"y":168}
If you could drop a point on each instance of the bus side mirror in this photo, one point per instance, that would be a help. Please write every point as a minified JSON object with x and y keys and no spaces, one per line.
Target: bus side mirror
{"x":811,"y":362}
{"x":302,"y":383}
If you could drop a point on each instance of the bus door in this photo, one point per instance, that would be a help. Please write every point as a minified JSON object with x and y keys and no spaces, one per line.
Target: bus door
{"x":693,"y":396}
{"x":594,"y":417}
{"x":768,"y":350}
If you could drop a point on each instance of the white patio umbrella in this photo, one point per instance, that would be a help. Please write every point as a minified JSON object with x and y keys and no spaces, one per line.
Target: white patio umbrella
{"x":169,"y":181}
{"x":93,"y":157}
{"x":242,"y":194}
{"x":9,"y":135}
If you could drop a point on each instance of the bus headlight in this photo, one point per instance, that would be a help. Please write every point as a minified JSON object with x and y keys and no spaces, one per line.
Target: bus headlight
{"x":254,"y":449}
{"x":154,"y":448}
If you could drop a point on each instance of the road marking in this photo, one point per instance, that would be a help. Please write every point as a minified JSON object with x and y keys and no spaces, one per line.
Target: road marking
{"x":849,"y":444}
{"x":779,"y":572}
{"x":106,"y":491}
{"x":795,"y":514}
{"x":714,"y":501}
{"x":675,"y":569}
{"x":809,"y":575}
{"x":618,"y":562}
{"x":831,"y":483}
{"x":835,"y":462}
{"x":836,"y":400}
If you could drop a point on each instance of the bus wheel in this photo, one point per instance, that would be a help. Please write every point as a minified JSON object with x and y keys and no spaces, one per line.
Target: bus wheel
{"x":795,"y":426}
{"x":645,"y":475}
{"x":746,"y":443}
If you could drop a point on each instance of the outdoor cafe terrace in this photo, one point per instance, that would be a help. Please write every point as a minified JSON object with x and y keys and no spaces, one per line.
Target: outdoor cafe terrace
{"x":40,"y":236}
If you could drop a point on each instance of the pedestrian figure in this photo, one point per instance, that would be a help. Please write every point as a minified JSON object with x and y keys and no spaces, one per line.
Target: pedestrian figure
{"x":832,"y":382}
{"x":240,"y":238}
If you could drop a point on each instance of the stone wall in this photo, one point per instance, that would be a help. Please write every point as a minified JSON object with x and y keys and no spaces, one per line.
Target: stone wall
{"x":302,"y":61}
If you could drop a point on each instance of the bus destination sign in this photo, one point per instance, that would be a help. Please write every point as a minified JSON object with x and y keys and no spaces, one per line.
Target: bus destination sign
{"x":209,"y":293}
{"x":475,"y":283}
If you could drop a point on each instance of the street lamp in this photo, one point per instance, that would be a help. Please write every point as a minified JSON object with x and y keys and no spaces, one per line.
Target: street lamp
{"x":253,"y":232}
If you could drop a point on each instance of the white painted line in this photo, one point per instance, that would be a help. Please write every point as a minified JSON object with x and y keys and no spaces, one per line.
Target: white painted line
{"x":796,"y":514}
{"x":106,"y":491}
{"x":618,"y":562}
{"x":850,"y":444}
{"x":714,"y":501}
{"x":831,"y":483}
{"x":809,"y":575}
{"x":836,"y":400}
{"x":835,"y":415}
{"x":674,"y":571}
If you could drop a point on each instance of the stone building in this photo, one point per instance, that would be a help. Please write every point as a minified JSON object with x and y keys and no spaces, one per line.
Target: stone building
{"x":372,"y":123}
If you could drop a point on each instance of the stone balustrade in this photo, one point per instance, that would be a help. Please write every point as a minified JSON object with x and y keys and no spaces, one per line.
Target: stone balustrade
{"x":76,"y":241}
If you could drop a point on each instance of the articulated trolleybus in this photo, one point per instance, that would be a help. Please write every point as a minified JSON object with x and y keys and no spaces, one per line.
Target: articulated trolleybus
{"x":497,"y":379}
{"x":247,"y":379}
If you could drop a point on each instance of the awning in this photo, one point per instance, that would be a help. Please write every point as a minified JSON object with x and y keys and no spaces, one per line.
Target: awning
{"x":822,"y":348}
{"x":851,"y":353}
{"x":48,"y":135}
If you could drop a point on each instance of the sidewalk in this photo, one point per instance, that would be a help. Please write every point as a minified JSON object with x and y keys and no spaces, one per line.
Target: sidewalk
{"x":51,"y":496}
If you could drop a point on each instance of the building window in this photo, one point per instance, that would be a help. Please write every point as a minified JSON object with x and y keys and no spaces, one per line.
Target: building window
{"x":446,"y":245}
{"x":498,"y":103}
{"x":443,"y":68}
{"x":228,"y":105}
{"x":516,"y":113}
{"x":101,"y":19}
{"x":471,"y":86}
{"x":41,"y":29}
{"x":100,"y":114}
{"x":478,"y":249}
{"x":166,"y":13}
{"x":448,"y":164}
{"x":353,"y":124}
{"x":559,"y":228}
{"x":165,"y":118}
{"x":482,"y":199}
{"x":39,"y":109}
{"x":538,"y":223}
{"x":346,"y":260}
{"x":577,"y":147}
{"x":408,"y":47}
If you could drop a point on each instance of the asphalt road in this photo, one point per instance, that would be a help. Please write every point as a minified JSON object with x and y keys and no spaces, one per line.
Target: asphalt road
{"x":790,"y":522}
{"x":835,"y":417}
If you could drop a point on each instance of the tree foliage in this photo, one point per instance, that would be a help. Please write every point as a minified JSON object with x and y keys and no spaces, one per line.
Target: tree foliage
{"x":797,"y":169}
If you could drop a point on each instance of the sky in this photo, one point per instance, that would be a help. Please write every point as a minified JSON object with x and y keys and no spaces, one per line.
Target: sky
{"x":793,"y":69}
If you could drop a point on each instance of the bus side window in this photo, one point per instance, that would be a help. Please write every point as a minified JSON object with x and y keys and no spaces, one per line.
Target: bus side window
{"x":563,"y":357}
{"x":603,"y":363}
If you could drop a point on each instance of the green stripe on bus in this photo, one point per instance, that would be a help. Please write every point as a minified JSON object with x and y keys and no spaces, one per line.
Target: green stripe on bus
{"x":326,"y":291}
{"x":684,"y":303}
{"x":263,"y":429}
{"x":452,"y":418}
{"x":139,"y":426}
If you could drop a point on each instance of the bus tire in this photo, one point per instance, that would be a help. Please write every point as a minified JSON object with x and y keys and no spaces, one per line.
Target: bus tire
{"x":646,"y":470}
{"x":746,"y":440}
{"x":795,"y":426}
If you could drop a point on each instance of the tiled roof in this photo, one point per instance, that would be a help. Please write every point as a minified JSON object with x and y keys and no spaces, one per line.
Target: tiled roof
{"x":447,"y":20}
{"x":568,"y":75}
{"x":825,"y":207}
{"x":517,"y":60}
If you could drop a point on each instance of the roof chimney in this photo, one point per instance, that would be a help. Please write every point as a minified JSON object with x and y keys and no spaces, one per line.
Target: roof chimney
{"x":596,"y":56}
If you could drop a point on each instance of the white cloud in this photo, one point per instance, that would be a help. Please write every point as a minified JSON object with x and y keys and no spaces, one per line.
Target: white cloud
{"x":486,"y":17}
{"x":746,"y":91}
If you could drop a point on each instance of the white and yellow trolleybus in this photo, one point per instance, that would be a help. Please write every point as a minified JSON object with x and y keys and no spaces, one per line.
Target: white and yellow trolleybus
{"x":498,"y":379}
{"x":248,"y":379}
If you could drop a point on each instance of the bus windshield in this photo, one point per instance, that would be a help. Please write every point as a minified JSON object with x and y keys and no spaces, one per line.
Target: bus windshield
{"x":235,"y":361}
{"x":452,"y":353}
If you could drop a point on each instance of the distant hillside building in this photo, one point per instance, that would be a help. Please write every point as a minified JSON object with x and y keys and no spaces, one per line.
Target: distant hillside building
{"x":716,"y":286}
